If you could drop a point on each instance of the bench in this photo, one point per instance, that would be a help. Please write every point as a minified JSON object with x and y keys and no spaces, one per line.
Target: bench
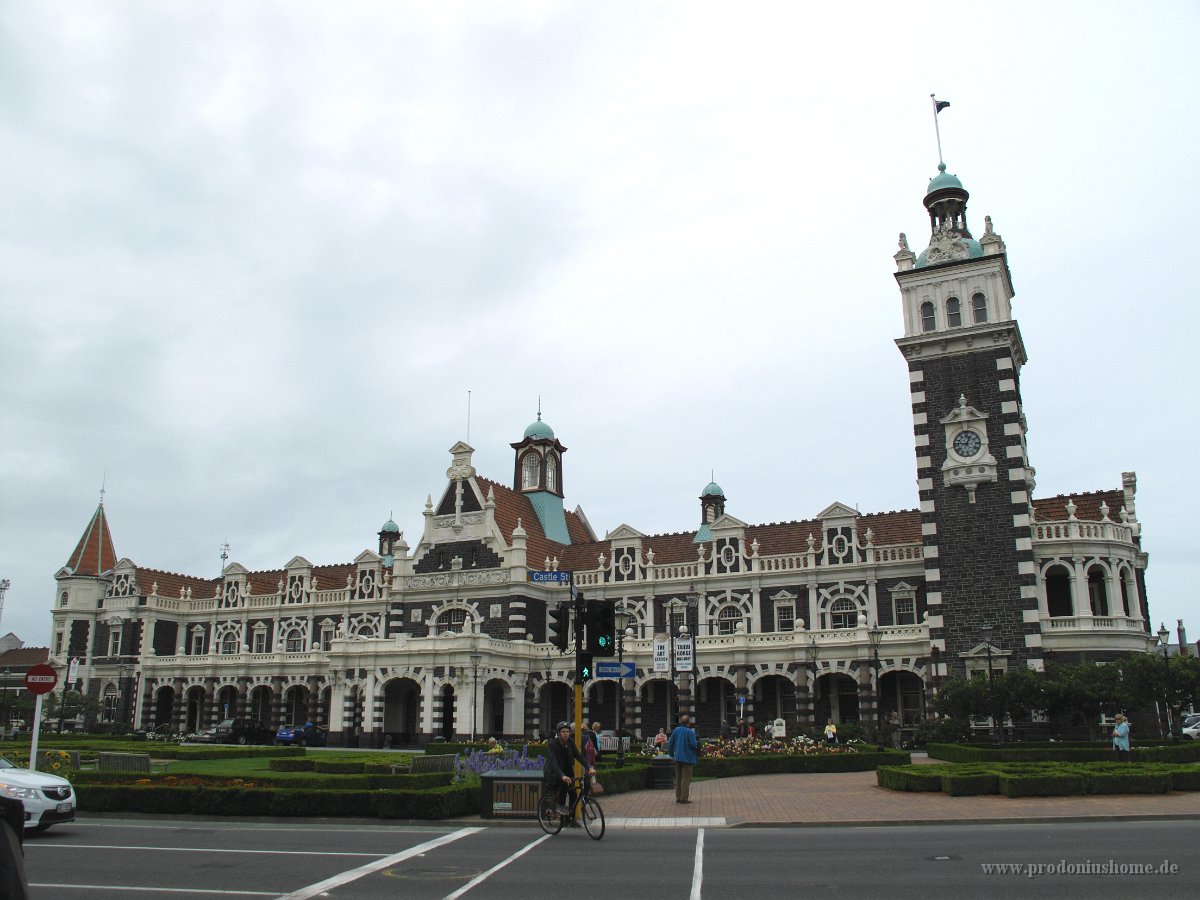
{"x":124,"y":762}
{"x":434,"y":762}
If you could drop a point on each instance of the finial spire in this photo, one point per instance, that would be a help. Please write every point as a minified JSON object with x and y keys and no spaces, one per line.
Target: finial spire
{"x":224,"y":554}
{"x":539,"y":407}
{"x":103,"y":482}
{"x":938,"y":106}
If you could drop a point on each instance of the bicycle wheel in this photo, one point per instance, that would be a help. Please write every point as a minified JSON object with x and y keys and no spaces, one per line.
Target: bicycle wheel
{"x":593,"y":818}
{"x":548,"y":816}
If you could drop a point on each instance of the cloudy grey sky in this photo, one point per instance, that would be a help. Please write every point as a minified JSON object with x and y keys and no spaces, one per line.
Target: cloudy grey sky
{"x":254,"y":255}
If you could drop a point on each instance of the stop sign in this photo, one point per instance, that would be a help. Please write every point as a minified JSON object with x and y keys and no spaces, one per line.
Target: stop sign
{"x":41,"y":679}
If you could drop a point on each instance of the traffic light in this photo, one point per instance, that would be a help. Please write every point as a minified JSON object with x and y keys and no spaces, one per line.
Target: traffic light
{"x":583,"y":667}
{"x":601,"y":628}
{"x":560,"y":624}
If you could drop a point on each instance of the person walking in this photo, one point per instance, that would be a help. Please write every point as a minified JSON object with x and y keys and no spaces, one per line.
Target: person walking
{"x":682,"y":746}
{"x":830,"y":732}
{"x":1120,"y":738}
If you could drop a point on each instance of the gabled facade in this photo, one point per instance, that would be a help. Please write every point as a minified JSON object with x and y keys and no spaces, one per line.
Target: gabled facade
{"x":842,"y":615}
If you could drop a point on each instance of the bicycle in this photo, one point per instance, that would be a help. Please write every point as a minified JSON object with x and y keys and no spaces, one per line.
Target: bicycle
{"x":585,"y":808}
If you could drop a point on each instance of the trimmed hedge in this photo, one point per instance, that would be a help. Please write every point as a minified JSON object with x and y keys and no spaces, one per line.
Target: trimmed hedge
{"x":337,"y":767}
{"x":1041,"y":779}
{"x":1148,"y":752}
{"x":436,"y":803}
{"x":291,"y":765}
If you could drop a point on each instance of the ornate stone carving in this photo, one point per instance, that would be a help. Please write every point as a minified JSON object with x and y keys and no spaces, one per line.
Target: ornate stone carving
{"x":449,"y":522}
{"x":946,"y":245}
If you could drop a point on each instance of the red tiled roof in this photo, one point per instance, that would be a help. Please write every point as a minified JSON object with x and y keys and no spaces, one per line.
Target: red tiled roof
{"x":511,"y":506}
{"x":23,"y":657}
{"x":94,"y":554}
{"x":1087,"y":506}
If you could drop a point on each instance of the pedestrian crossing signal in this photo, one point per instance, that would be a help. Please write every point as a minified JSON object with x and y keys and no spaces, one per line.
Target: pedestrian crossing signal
{"x":584,"y":668}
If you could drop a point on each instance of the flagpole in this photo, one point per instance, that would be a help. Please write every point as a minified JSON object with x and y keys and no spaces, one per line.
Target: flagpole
{"x":936,"y":129}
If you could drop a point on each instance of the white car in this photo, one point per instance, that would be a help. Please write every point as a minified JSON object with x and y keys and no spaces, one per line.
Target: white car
{"x":1192,"y":731}
{"x":48,"y":799}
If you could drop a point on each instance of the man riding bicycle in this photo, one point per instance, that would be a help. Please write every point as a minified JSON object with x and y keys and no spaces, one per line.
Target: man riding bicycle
{"x":561,"y":753}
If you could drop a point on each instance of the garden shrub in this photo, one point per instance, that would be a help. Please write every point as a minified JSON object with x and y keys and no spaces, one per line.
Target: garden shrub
{"x":291,"y":765}
{"x":908,"y":778}
{"x":1127,"y":783}
{"x":338,"y":767}
{"x":1041,"y":785}
{"x":970,"y":784}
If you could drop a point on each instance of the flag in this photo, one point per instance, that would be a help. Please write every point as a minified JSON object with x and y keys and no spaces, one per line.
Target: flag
{"x":939,"y":105}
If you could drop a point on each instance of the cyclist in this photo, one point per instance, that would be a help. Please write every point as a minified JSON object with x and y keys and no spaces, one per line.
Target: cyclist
{"x":561,"y":753}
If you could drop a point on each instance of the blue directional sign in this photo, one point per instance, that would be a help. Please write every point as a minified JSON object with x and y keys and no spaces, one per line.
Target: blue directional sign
{"x":544,"y":577}
{"x":607,"y":668}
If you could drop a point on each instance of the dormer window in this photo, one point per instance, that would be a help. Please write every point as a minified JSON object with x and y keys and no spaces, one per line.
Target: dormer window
{"x":551,"y":473}
{"x":529,"y":471}
{"x":979,"y":308}
{"x":953,"y":313}
{"x":928,"y":319}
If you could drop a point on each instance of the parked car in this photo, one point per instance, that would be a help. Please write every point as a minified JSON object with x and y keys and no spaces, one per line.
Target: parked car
{"x":1193,"y":730}
{"x":1190,"y":719}
{"x":241,"y":731}
{"x":48,"y":799}
{"x":306,"y":735}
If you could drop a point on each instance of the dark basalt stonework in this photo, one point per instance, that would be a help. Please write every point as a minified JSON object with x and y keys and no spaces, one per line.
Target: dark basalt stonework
{"x":474,"y":555}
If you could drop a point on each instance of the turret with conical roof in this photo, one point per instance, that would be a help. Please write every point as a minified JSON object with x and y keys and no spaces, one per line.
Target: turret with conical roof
{"x":538,"y":475}
{"x":94,"y":554}
{"x":712,"y":507}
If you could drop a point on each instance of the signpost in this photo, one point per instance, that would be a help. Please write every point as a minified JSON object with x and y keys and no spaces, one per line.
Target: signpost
{"x":610,"y":669}
{"x":538,"y":576}
{"x":39,"y":680}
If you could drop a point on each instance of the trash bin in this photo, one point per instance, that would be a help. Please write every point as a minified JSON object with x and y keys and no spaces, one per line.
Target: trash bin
{"x":510,"y":793}
{"x":662,"y":772}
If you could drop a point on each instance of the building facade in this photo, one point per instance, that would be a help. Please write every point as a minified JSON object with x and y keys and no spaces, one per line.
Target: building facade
{"x":844,"y":615}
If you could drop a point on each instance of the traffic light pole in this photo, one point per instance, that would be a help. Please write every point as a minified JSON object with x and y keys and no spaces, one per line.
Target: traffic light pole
{"x":580,"y":607}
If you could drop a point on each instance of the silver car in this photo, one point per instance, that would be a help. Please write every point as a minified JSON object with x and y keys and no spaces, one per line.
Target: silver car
{"x":48,"y":799}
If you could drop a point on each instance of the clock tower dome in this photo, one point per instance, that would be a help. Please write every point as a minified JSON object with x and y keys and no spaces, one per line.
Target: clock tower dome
{"x":964,"y":354}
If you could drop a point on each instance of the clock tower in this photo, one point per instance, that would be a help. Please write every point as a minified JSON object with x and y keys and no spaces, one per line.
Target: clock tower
{"x":964,"y":354}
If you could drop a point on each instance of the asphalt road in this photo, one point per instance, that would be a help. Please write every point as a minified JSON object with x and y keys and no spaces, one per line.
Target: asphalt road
{"x":118,"y":859}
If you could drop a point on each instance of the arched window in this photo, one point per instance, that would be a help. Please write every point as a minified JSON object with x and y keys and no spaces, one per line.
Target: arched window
{"x":727,"y":619}
{"x":529,"y":471}
{"x":110,"y":703}
{"x":450,"y":622}
{"x":1058,"y":592}
{"x":843,"y":614}
{"x":551,"y":473}
{"x":953,"y":313}
{"x":928,"y":321}
{"x":1098,"y":591}
{"x":229,"y":645}
{"x":979,"y":308}
{"x":293,"y":641}
{"x":1127,"y":590}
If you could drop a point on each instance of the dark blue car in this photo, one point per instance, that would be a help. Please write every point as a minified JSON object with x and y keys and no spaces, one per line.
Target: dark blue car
{"x":306,"y":735}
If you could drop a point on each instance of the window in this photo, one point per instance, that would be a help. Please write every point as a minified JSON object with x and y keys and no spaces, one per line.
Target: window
{"x":529,"y":471}
{"x":450,"y":622}
{"x":1059,"y":601}
{"x":1098,"y":591}
{"x":260,"y":640}
{"x":62,"y":600}
{"x":785,"y":618}
{"x":905,"y":610}
{"x":928,"y":321}
{"x":678,"y":617}
{"x":229,"y":645}
{"x":727,"y":619}
{"x":551,"y":473}
{"x":110,"y":703}
{"x":197,"y":642}
{"x":114,"y":641}
{"x":326,"y":637}
{"x":294,"y":641}
{"x":58,"y":639}
{"x":953,"y":313}
{"x":979,"y":307}
{"x":843,"y":614}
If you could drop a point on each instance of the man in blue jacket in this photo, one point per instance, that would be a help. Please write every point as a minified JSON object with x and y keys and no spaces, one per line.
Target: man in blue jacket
{"x":682,"y":746}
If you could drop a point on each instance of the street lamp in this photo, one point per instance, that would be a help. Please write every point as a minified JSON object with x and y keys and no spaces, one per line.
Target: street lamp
{"x":125,"y":669}
{"x":875,"y":635}
{"x":475,"y":659}
{"x":986,"y":630}
{"x":4,"y":705}
{"x":814,"y":655}
{"x":622,"y":618}
{"x":1164,"y":641}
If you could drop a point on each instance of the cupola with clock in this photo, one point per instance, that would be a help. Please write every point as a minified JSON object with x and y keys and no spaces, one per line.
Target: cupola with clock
{"x":968,"y":463}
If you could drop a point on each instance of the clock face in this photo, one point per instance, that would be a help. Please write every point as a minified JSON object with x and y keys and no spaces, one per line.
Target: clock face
{"x":967,"y":443}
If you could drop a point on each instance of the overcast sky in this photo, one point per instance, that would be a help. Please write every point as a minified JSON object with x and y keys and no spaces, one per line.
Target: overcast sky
{"x":255,"y":255}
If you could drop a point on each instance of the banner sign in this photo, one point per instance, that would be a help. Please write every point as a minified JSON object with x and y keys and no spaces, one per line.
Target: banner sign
{"x":662,"y":655}
{"x":683,"y":653}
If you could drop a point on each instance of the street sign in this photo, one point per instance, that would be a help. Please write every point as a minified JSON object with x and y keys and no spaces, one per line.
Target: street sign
{"x":662,"y":655}
{"x":547,"y":577}
{"x":609,"y":669}
{"x":73,"y":670}
{"x":41,"y":679}
{"x":683,"y":653}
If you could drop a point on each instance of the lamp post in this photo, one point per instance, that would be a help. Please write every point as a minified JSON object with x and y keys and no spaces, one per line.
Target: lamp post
{"x":814,"y":655}
{"x":672,"y":607}
{"x":475,"y":659}
{"x":622,"y":618}
{"x":986,"y":630}
{"x":1164,"y":641}
{"x":125,"y":669}
{"x":875,"y":635}
{"x":4,"y":705}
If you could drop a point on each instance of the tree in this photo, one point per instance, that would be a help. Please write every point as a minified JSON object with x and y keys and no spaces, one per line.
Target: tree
{"x":68,"y":705}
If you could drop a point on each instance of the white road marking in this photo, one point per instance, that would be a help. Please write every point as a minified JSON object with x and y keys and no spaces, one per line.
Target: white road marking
{"x":667,"y":822}
{"x":154,"y":890}
{"x":354,"y":874}
{"x":494,"y":869}
{"x":197,"y":850}
{"x":698,"y":866}
{"x":222,"y":828}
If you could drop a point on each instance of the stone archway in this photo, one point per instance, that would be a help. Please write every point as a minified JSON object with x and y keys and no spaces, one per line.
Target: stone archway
{"x":295,"y":705}
{"x":259,"y":705}
{"x":555,"y":706}
{"x":445,"y":727}
{"x":194,"y":718}
{"x":836,"y":699}
{"x":774,"y":698}
{"x":164,"y":699}
{"x":602,"y":704}
{"x":902,"y":692}
{"x":227,"y":705}
{"x":716,"y":707}
{"x":402,"y":711}
{"x":497,"y":719}
{"x":660,"y":705}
